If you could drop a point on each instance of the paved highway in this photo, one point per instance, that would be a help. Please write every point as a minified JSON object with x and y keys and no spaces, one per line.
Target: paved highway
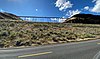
{"x":78,"y":50}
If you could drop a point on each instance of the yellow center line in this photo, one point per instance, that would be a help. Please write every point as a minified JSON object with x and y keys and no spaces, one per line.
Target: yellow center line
{"x":29,"y":55}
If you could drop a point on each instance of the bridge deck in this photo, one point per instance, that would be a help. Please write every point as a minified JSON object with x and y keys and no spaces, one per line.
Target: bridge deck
{"x":42,"y":19}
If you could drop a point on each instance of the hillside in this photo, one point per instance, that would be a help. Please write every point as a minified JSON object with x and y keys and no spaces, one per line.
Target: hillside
{"x":23,"y":33}
{"x":8,"y":16}
{"x":84,"y":18}
{"x":15,"y":34}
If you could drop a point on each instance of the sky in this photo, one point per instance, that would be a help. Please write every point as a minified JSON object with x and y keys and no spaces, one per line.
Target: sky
{"x":52,"y":8}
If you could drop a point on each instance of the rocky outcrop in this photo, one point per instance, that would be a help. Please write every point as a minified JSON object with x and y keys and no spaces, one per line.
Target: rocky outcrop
{"x":5,"y":15}
{"x":84,"y":18}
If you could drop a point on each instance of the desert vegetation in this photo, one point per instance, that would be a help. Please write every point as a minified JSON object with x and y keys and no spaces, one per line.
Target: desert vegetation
{"x":21,"y":33}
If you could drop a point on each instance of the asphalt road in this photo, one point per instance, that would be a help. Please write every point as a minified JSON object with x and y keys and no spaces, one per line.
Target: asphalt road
{"x":78,"y":50}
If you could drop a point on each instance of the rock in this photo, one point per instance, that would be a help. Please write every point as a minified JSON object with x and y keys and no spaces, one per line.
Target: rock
{"x":6,"y":16}
{"x":84,"y":18}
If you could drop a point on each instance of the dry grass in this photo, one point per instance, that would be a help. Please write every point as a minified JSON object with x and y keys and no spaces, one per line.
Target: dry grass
{"x":20,"y":33}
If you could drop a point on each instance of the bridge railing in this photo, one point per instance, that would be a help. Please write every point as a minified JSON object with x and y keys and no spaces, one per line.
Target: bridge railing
{"x":43,"y":19}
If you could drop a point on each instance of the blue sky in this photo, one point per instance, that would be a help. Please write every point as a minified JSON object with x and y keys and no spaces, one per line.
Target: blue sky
{"x":55,"y":8}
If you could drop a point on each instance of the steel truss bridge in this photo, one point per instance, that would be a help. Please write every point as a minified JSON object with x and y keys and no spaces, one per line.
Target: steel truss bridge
{"x":42,"y":19}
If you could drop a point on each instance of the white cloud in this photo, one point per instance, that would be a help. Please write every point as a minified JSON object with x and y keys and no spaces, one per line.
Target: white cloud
{"x":93,"y":0}
{"x":63,"y":17}
{"x":86,"y":7}
{"x":63,"y":4}
{"x":36,"y":9}
{"x":59,"y":19}
{"x":70,"y":13}
{"x":53,"y":18}
{"x":96,"y":7}
{"x":1,"y":10}
{"x":28,"y":19}
{"x":62,"y":20}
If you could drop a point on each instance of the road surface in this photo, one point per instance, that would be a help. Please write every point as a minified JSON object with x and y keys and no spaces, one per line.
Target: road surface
{"x":77,"y":50}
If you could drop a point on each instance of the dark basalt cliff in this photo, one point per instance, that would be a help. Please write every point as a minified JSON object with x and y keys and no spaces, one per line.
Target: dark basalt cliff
{"x":84,"y":18}
{"x":5,"y":15}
